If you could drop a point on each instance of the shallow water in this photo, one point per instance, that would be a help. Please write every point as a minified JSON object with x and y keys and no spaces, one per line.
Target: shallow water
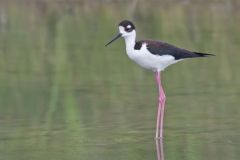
{"x":63,"y":95}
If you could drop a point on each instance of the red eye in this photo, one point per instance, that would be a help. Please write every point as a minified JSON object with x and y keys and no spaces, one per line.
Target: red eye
{"x":127,"y":29}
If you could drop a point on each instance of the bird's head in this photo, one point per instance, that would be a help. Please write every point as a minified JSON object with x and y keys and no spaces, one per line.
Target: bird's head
{"x":126,"y":29}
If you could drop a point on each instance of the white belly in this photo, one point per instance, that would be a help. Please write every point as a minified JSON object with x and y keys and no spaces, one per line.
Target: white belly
{"x":150,"y":61}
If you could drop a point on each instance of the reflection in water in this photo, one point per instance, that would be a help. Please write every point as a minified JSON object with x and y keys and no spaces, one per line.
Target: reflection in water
{"x":159,"y":148}
{"x":63,"y":95}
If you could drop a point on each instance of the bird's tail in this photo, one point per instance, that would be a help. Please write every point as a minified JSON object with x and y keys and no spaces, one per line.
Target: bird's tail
{"x":203,"y":54}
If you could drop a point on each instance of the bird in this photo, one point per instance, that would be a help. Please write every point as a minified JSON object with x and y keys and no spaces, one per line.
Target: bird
{"x":155,"y":56}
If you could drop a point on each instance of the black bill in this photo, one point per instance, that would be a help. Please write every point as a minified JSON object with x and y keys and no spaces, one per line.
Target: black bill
{"x":115,"y":38}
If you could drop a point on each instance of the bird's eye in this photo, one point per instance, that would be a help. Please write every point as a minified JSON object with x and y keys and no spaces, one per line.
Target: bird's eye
{"x":127,"y":29}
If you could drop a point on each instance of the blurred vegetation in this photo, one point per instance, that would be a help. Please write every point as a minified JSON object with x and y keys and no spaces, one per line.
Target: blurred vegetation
{"x":63,"y":94}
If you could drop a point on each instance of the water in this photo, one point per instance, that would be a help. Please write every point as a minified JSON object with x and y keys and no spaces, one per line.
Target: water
{"x":63,"y":95}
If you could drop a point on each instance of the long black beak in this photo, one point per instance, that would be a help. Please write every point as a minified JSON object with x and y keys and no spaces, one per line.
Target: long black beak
{"x":115,"y":38}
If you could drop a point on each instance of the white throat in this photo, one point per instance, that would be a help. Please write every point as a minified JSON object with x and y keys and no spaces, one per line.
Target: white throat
{"x":130,"y":41}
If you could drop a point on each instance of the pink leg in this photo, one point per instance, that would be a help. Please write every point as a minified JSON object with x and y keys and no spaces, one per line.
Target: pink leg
{"x":159,"y":148}
{"x":161,"y":105}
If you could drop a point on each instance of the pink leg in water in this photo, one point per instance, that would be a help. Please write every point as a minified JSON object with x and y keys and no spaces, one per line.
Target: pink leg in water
{"x":161,"y":105}
{"x":159,"y":148}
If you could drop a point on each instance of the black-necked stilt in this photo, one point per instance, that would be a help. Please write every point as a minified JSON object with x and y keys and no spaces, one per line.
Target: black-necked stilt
{"x":154,"y":55}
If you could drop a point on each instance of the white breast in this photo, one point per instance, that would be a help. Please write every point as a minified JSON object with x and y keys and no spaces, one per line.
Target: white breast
{"x":150,"y":61}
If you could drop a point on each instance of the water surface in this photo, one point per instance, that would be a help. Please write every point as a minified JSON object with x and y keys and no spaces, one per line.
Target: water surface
{"x":63,"y":95}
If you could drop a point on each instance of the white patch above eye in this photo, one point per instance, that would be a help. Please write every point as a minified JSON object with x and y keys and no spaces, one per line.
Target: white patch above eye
{"x":128,"y":26}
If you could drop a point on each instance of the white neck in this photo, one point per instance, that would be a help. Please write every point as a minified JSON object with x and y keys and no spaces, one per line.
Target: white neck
{"x":130,"y":41}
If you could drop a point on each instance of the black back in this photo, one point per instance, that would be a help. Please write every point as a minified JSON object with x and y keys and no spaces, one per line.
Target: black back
{"x":161,"y":48}
{"x":138,"y":45}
